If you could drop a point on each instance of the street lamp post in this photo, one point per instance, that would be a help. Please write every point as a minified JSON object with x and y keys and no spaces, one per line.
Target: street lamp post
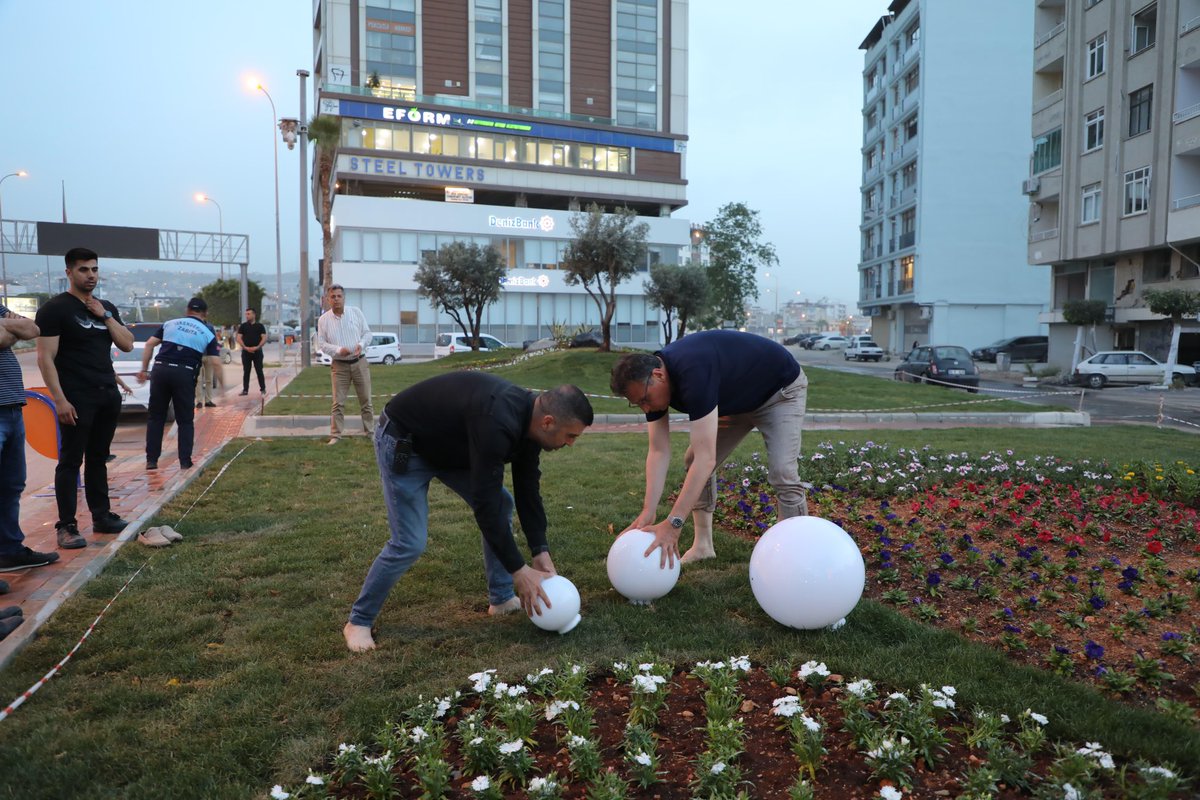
{"x":775,"y":321}
{"x":201,"y":197}
{"x":3,"y":259}
{"x":278,"y":262}
{"x":305,"y":354}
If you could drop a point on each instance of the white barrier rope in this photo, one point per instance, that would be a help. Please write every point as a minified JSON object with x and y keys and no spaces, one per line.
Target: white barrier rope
{"x":32,"y":690}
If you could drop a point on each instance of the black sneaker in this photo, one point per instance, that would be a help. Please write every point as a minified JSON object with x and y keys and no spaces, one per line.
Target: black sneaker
{"x":69,"y":538}
{"x":185,"y":463}
{"x":199,"y":405}
{"x":210,"y":404}
{"x":151,"y":465}
{"x":244,"y":392}
{"x":26,"y":558}
{"x":108,"y":523}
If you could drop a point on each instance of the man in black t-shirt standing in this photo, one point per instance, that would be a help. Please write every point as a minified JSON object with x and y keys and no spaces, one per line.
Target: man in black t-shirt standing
{"x":251,"y":336}
{"x":746,"y":381}
{"x":78,"y":331}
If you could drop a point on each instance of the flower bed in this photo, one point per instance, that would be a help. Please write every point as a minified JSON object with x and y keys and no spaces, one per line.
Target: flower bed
{"x":1088,"y":572}
{"x":718,"y":730}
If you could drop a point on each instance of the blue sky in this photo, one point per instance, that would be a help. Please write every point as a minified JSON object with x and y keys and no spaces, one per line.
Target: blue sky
{"x":139,"y":104}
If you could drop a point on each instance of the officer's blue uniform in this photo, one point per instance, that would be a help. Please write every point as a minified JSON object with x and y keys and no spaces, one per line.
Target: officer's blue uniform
{"x":185,"y":342}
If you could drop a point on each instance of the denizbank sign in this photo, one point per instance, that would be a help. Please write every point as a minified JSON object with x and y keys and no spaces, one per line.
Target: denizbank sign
{"x":514,"y":222}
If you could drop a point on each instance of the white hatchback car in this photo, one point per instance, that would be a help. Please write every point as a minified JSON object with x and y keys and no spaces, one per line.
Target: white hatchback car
{"x":1131,"y":366}
{"x":830,"y":341}
{"x":451,"y":343}
{"x":383,"y":349}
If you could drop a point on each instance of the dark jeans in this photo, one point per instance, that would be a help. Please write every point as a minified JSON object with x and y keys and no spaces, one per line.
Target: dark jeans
{"x":12,"y":479}
{"x":255,"y":358}
{"x":171,"y":385}
{"x":96,"y":412}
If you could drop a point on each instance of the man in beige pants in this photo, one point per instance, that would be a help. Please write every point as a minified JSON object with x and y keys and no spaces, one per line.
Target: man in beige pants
{"x":343,"y":335}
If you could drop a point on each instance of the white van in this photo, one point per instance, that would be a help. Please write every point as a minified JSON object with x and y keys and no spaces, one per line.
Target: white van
{"x":383,"y":349}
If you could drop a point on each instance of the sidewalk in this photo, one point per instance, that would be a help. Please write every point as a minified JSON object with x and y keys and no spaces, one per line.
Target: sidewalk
{"x":136,"y":494}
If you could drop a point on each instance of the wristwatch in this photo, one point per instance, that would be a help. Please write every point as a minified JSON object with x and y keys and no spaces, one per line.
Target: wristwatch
{"x":676,"y":522}
{"x":107,"y":314}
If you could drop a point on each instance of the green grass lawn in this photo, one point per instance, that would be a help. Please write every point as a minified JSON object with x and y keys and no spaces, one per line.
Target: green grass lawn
{"x":829,"y":390}
{"x":221,"y":670}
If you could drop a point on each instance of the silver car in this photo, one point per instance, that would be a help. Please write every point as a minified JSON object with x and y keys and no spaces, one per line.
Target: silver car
{"x":1131,"y":366}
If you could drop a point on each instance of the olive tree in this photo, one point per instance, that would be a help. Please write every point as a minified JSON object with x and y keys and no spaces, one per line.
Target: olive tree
{"x":680,"y":291}
{"x":736,"y":252}
{"x":606,"y":250}
{"x":1082,"y":313}
{"x":1176,"y":304}
{"x":462,"y":279}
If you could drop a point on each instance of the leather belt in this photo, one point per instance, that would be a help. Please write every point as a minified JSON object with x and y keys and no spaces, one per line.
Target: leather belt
{"x":348,"y":360}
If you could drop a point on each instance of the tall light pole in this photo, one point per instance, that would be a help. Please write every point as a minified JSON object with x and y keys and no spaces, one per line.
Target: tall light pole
{"x":775,"y":322}
{"x":305,"y":355}
{"x":3,"y":259}
{"x":278,"y":262}
{"x":201,"y":197}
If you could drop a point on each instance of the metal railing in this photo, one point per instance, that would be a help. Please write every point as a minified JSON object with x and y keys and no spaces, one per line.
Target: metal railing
{"x":407,"y":96}
{"x":1050,"y":34}
{"x":1047,"y":101}
{"x":1186,"y":113}
{"x":1185,"y":202}
{"x":1041,"y":236}
{"x":904,"y":287}
{"x":908,"y":239}
{"x":1189,"y":26}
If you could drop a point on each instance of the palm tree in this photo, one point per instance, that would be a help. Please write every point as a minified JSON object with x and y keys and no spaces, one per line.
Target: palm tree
{"x":324,"y":132}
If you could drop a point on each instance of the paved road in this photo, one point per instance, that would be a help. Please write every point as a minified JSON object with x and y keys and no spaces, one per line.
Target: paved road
{"x":1108,"y":406}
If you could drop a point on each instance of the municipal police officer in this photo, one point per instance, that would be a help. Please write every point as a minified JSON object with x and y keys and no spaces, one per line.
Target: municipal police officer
{"x":187,"y":342}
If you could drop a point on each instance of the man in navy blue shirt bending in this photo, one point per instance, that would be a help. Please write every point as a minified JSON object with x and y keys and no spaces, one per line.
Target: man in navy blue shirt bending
{"x":186,"y":343}
{"x":744,"y":379}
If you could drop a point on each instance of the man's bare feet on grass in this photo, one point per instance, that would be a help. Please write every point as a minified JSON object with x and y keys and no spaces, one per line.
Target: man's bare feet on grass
{"x":358,"y":638}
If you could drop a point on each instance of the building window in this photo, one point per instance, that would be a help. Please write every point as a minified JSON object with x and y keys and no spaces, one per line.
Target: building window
{"x":551,"y":46}
{"x":906,"y":275}
{"x":912,"y":36}
{"x":391,"y":48}
{"x":1137,"y":191}
{"x":1156,"y":266}
{"x":1047,"y":151}
{"x":912,"y":80}
{"x":1145,"y":27}
{"x":1140,"y":102}
{"x":1095,"y":57}
{"x":637,"y":64}
{"x":1093,"y":130}
{"x":1091,"y":204}
{"x":489,"y":51}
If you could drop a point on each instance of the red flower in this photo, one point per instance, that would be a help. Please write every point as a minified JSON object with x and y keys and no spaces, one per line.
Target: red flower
{"x":1007,"y":484}
{"x":1155,"y":547}
{"x":1107,"y":536}
{"x":954,"y":503}
{"x":1045,"y":536}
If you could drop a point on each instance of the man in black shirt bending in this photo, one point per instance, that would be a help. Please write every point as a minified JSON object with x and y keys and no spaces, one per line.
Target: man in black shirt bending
{"x":251,"y":336}
{"x":78,"y":330}
{"x":746,"y":380}
{"x":462,"y":428}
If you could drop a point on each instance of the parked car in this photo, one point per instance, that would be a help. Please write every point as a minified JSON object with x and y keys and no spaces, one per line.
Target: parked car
{"x":126,"y":367}
{"x":592,"y":338}
{"x":277,"y":333}
{"x":1018,"y":348}
{"x":383,"y":349}
{"x":829,"y":341}
{"x":450,"y":343}
{"x":939,"y":364}
{"x":863,"y":348}
{"x":1131,"y":366}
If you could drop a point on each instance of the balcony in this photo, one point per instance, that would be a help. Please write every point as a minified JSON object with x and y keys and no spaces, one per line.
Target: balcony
{"x":1183,"y":221}
{"x":1051,"y":47}
{"x":904,"y":286}
{"x":1185,"y":133}
{"x":872,"y":252}
{"x":904,"y":197}
{"x":1186,"y":113}
{"x":1041,"y":236}
{"x":1045,"y":102}
{"x":1041,"y":39}
{"x":910,"y":100}
{"x":872,"y":213}
{"x":1189,"y":26}
{"x":907,"y":239}
{"x":872,"y":173}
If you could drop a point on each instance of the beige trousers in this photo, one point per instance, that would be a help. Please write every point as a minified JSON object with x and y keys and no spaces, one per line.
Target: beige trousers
{"x":204,"y":382}
{"x":343,"y":375}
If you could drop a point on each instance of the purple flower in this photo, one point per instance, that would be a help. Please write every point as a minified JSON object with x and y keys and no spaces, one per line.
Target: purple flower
{"x":1125,"y":586}
{"x":1071,"y":579}
{"x":1012,"y":629}
{"x":933,"y":579}
{"x":1093,"y":651}
{"x":998,"y":561}
{"x":966,"y":537}
{"x":1033,"y":576}
{"x":1130,"y":573}
{"x":906,"y":546}
{"x":1096,"y":602}
{"x":1008,"y":613}
{"x":885,"y":540}
{"x":1100,"y":672}
{"x":889,"y":517}
{"x":1058,"y":648}
{"x":1072,"y":553}
{"x":1168,"y":637}
{"x":946,"y":558}
{"x":879,"y":528}
{"x":1033,"y":601}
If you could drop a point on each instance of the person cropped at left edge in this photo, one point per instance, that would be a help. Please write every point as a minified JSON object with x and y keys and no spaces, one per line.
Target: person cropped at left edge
{"x":462,"y":428}
{"x":78,"y":331}
{"x":187,"y":343}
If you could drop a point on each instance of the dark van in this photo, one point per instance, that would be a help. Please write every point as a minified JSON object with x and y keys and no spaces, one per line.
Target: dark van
{"x":1018,"y":348}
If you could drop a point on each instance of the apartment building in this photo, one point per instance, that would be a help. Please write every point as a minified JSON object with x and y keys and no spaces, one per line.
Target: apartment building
{"x":1114,"y":182}
{"x":495,"y":122}
{"x":944,"y":147}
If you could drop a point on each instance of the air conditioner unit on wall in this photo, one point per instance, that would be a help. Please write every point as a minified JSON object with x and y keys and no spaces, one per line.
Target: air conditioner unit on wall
{"x":891,"y":314}
{"x":926,"y":312}
{"x":1031,"y":186}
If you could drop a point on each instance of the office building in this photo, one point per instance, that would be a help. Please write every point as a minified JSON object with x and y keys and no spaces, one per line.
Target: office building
{"x":1114,"y":182}
{"x":496,"y":121}
{"x":944,"y":151}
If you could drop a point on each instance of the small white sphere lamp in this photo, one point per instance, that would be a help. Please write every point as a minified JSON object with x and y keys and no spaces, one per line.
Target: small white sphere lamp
{"x":563,"y":614}
{"x":635,"y":576}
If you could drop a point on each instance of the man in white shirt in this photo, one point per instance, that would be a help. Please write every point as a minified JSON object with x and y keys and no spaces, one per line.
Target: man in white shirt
{"x":343,"y":335}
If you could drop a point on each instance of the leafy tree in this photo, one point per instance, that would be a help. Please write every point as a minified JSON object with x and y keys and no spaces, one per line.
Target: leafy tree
{"x":462,"y":279}
{"x":606,"y":250}
{"x":325,"y":134}
{"x":736,"y":252}
{"x":1082,"y":313}
{"x":1176,"y":304}
{"x":224,"y":300}
{"x":680,"y":291}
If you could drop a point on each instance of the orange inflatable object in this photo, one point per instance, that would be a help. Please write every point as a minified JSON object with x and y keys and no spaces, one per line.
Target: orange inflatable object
{"x":41,"y":422}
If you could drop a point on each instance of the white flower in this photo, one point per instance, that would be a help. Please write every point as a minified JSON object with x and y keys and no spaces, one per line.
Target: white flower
{"x":576,"y":669}
{"x":949,"y":691}
{"x":418,"y":734}
{"x":442,"y":707}
{"x":540,"y":784}
{"x":813,"y":668}
{"x":347,"y":748}
{"x":860,"y":688}
{"x":1070,"y":792}
{"x":620,"y":666}
{"x":718,"y":768}
{"x":578,"y":741}
{"x":810,"y":723}
{"x":647,"y":684}
{"x":890,"y":793}
{"x":786,"y":706}
{"x":1159,"y":773}
{"x":646,"y":667}
{"x":896,"y":696}
{"x":740,"y":662}
{"x":478,"y":740}
{"x":314,"y":780}
{"x":480,"y":681}
{"x":278,"y":793}
{"x":1093,"y":750}
{"x":508,"y":748}
{"x":1005,"y":719}
{"x":1036,"y":717}
{"x":643,"y":759}
{"x":481,"y":784}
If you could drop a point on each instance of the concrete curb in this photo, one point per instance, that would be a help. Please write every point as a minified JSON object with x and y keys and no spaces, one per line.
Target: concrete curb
{"x":73,"y":582}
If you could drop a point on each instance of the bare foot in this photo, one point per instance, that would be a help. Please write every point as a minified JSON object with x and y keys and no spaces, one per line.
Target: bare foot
{"x":697,"y":553}
{"x":358,"y":638}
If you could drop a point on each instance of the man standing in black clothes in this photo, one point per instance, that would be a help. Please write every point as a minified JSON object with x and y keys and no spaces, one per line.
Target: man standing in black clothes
{"x":462,"y":428}
{"x":187,"y":343}
{"x":251,"y":336}
{"x":78,"y":330}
